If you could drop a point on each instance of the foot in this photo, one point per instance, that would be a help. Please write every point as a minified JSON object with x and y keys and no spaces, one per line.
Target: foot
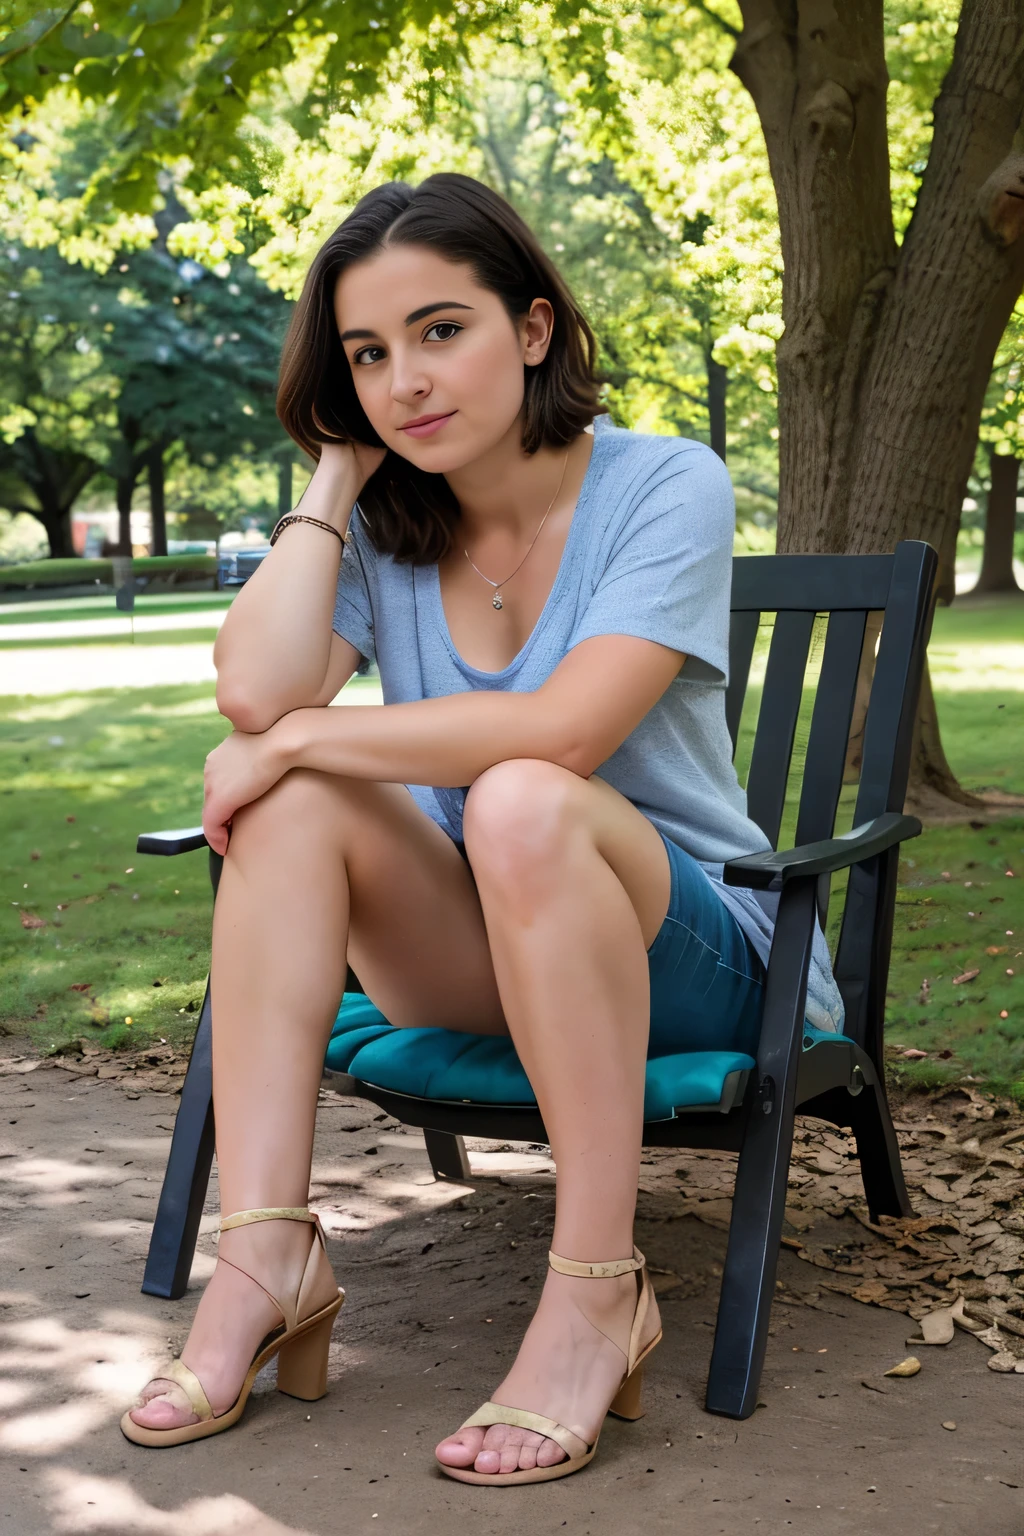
{"x":568,"y":1368}
{"x":234,"y":1315}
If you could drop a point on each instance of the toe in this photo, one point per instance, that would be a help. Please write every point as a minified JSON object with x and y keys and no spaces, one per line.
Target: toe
{"x":528,"y":1451}
{"x":460,"y":1449}
{"x":163,"y":1406}
{"x":550,"y":1453}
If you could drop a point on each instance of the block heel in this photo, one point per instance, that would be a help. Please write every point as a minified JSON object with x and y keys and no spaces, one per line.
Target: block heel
{"x":625,"y":1404}
{"x":302,"y":1362}
{"x":301,"y":1343}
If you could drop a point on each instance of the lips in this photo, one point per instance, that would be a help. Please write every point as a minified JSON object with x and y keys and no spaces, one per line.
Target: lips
{"x":424,"y":421}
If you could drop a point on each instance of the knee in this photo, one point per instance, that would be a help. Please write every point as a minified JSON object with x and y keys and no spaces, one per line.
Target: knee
{"x":518,"y":814}
{"x":300,"y":794}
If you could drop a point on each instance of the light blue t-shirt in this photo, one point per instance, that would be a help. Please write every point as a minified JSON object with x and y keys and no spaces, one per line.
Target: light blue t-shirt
{"x":648,"y":553}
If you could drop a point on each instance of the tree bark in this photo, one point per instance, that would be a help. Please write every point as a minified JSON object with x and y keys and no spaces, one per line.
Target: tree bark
{"x":56,"y":521}
{"x":887,"y":349}
{"x":157,"y":502}
{"x":997,"y":574}
{"x":718,"y":377}
{"x":125,"y":489}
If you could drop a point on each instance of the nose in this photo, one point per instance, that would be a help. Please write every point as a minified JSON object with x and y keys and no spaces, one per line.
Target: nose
{"x":409,"y":382}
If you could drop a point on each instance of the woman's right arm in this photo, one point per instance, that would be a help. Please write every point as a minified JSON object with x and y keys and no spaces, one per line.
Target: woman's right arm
{"x":276,"y":650}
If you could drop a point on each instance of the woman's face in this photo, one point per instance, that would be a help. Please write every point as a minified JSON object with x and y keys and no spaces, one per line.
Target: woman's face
{"x":424,"y":339}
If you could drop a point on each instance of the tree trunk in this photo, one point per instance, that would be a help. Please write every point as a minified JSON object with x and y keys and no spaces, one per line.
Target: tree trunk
{"x":887,"y":350}
{"x":718,"y":377}
{"x":284,"y":484}
{"x":125,"y":491}
{"x":56,"y":521}
{"x":997,"y":574}
{"x":157,"y":503}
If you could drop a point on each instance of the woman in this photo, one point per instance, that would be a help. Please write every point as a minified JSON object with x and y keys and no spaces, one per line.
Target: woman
{"x":528,"y":838}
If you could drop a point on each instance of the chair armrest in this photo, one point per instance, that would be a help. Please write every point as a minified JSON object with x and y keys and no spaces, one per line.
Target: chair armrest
{"x":761,"y":869}
{"x":183,"y":840}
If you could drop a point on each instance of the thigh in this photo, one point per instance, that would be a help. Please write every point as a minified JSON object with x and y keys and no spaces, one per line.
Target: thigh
{"x":416,"y":939}
{"x":707,"y":981}
{"x":526,"y":812}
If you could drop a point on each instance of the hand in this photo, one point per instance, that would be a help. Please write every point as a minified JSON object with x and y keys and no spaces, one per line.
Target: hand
{"x":237,"y":772}
{"x":354,"y":462}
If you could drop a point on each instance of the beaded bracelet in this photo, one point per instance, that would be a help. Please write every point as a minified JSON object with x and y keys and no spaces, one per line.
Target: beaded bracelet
{"x":300,"y":517}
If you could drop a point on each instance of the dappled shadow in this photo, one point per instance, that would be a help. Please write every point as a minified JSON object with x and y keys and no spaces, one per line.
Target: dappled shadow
{"x":80,"y":1503}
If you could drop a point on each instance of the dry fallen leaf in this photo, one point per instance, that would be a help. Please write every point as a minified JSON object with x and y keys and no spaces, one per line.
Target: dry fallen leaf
{"x":936,"y":1327}
{"x":965,"y":976}
{"x":29,"y":920}
{"x":908,"y":1367}
{"x":1003,"y":1362}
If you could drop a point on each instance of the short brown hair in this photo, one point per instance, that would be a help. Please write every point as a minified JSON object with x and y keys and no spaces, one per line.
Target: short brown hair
{"x":410,"y":513}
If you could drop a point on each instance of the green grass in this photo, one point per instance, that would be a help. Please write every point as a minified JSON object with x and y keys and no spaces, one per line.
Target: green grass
{"x":157,"y":605}
{"x":125,"y":637}
{"x":132,"y":761}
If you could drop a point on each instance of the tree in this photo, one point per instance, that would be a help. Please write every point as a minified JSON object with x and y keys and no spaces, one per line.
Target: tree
{"x":54,"y":392}
{"x":997,"y":573}
{"x":889,"y":342}
{"x":1002,"y":434}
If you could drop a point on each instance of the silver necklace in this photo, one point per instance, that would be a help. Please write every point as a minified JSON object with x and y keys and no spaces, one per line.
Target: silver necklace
{"x":497,"y":585}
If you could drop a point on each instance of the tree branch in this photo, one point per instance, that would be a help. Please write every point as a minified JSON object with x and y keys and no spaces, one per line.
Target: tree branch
{"x":719,"y":21}
{"x":30,"y":43}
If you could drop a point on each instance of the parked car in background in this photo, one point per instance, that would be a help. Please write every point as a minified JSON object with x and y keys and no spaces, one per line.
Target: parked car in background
{"x":235,"y":566}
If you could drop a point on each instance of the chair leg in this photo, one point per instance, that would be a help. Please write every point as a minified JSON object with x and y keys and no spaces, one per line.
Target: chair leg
{"x":879,"y":1152}
{"x":187,"y":1176}
{"x":751,"y":1261}
{"x":447,"y":1155}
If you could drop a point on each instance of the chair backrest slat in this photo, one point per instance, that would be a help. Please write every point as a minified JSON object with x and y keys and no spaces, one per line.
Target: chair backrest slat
{"x":826,"y":583}
{"x":776,"y":721}
{"x":796,"y":588}
{"x":830,"y":725}
{"x":742,"y":637}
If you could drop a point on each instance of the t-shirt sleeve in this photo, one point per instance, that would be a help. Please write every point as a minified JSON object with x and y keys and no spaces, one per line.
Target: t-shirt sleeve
{"x":667,"y":574}
{"x":353,"y":614}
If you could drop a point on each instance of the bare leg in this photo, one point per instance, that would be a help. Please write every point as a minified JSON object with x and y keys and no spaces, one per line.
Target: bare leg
{"x":553,"y":855}
{"x":318,"y":867}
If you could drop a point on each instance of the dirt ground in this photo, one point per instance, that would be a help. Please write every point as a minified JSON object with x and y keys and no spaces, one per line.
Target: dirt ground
{"x":836,"y":1447}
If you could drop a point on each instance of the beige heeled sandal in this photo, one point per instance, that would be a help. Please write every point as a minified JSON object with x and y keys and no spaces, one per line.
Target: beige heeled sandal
{"x":301,"y":1342}
{"x":625,"y":1404}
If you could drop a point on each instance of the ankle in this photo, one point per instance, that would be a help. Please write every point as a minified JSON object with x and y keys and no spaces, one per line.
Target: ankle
{"x":270,"y":1251}
{"x":604,"y":1302}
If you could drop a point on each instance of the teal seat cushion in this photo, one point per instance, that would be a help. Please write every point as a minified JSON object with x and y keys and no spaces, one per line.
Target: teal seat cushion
{"x":451,"y":1066}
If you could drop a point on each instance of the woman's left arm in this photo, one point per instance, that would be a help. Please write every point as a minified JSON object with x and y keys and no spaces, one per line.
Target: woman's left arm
{"x":594,"y":698}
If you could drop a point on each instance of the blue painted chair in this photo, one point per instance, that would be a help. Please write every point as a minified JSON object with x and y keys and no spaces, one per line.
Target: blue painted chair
{"x":451,"y":1084}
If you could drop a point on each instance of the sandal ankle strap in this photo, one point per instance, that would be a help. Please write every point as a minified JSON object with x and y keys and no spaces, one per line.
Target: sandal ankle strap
{"x":269,"y":1213}
{"x":600,"y":1271}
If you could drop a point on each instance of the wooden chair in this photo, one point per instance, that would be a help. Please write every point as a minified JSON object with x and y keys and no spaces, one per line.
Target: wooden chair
{"x":750,"y":1104}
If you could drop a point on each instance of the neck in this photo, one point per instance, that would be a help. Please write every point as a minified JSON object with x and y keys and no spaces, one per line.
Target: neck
{"x":507,"y":491}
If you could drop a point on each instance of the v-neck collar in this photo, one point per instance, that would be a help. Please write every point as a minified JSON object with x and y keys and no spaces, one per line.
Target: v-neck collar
{"x":433,"y":576}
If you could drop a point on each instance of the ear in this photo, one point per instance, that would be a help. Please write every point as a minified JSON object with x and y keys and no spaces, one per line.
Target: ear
{"x":537,"y":330}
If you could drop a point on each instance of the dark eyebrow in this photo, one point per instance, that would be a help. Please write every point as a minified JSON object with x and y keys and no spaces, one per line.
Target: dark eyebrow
{"x":417,"y":314}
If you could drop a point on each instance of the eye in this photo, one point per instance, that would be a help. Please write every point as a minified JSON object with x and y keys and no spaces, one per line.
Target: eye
{"x":440,"y":325}
{"x":361,"y":356}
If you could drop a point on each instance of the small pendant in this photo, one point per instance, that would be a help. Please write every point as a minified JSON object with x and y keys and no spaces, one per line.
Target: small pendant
{"x":496,"y":600}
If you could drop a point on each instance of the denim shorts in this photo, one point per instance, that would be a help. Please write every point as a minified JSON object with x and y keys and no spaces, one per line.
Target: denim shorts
{"x":707,"y":980}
